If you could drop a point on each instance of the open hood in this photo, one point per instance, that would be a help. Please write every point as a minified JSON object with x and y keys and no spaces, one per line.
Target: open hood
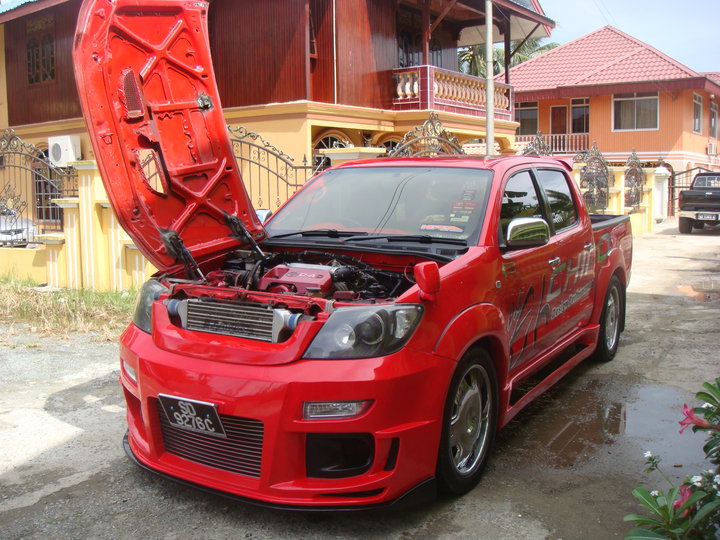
{"x":151,"y":105}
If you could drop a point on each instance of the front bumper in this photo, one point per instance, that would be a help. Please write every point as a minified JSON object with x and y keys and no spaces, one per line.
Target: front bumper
{"x":407,"y":390}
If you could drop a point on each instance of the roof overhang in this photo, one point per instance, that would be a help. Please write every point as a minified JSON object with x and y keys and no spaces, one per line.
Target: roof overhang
{"x":522,"y":22}
{"x":674,"y":85}
{"x":20,"y":8}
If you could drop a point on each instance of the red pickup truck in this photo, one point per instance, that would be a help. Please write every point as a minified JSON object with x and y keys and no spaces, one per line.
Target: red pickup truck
{"x":363,"y":346}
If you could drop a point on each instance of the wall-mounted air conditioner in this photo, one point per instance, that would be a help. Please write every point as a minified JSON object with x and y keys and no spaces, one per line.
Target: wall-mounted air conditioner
{"x":63,"y":149}
{"x":712,"y":149}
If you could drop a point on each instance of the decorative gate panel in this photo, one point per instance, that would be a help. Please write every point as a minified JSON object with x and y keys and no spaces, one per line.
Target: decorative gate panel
{"x":635,"y":181}
{"x":28,"y":185}
{"x":270,"y":175}
{"x":594,"y":177}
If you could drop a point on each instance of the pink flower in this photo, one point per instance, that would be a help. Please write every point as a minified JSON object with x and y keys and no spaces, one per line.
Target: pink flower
{"x":685,"y":493}
{"x":692,"y":420}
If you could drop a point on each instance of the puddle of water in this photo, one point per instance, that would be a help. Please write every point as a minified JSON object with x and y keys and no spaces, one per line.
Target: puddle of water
{"x":705,"y":291}
{"x":569,"y":428}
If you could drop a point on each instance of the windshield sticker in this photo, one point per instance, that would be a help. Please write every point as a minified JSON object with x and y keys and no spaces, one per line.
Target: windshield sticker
{"x":469,"y":195}
{"x":462,"y":210}
{"x":441,"y":228}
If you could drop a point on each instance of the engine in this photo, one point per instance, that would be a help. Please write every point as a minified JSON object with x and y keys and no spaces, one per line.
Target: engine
{"x":309,"y":273}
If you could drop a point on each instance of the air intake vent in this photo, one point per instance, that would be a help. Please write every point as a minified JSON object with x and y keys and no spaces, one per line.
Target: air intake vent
{"x":240,"y":452}
{"x":248,"y":321}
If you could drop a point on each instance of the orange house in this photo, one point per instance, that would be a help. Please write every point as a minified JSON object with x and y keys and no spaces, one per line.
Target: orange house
{"x":610,"y":88}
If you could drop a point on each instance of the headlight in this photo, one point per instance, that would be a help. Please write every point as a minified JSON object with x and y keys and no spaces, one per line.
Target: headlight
{"x":149,"y":292}
{"x":364,"y":332}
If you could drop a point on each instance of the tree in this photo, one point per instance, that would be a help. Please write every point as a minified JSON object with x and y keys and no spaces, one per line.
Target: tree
{"x":471,"y":60}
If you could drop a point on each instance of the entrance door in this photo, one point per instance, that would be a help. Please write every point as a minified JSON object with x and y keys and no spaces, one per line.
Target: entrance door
{"x":558,"y":128}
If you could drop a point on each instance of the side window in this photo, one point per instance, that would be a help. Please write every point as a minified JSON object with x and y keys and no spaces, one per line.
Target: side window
{"x":563,"y":212}
{"x":520,"y":199}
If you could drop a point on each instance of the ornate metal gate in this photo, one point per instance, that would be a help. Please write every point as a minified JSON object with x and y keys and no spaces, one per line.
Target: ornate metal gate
{"x":430,"y":139}
{"x":594,"y":177}
{"x":635,"y":181}
{"x":269,"y":174}
{"x":28,"y":184}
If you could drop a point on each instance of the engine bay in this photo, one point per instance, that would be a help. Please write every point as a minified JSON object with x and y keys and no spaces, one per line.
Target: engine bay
{"x":264,"y":296}
{"x":318,"y":274}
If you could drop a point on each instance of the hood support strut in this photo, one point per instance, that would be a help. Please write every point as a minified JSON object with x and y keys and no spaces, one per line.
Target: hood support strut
{"x":240,"y":232}
{"x":176,"y":249}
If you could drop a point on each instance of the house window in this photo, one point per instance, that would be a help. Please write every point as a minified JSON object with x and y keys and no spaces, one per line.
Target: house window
{"x":526,"y":112}
{"x":713,"y":120}
{"x":410,"y":50}
{"x":40,"y":49}
{"x":697,"y":113}
{"x":635,"y":111}
{"x":581,"y":115}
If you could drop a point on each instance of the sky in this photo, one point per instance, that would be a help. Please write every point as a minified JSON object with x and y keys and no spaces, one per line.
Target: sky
{"x":687,"y":31}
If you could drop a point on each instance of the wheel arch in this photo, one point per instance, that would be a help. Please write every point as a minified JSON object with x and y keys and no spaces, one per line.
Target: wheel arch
{"x":481,"y":326}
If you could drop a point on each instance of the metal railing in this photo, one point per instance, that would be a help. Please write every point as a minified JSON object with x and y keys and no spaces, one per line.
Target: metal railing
{"x":270,"y":175}
{"x":569,"y":143}
{"x":29,"y":183}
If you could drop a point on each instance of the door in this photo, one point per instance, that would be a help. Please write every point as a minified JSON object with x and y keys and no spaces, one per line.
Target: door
{"x":568,"y":299}
{"x":526,"y":273}
{"x":558,"y":128}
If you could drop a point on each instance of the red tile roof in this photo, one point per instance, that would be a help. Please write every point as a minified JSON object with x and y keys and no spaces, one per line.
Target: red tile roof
{"x":605,"y":56}
{"x":712,"y":76}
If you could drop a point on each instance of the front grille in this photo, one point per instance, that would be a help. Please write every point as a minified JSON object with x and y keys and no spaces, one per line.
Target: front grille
{"x":240,"y":452}
{"x":241,"y":320}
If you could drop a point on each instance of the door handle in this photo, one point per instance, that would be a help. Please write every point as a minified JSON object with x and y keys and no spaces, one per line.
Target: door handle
{"x":588,"y":246}
{"x":554,"y":262}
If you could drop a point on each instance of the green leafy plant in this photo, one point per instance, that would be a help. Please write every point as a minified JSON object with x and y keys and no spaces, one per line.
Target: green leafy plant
{"x":691,"y":510}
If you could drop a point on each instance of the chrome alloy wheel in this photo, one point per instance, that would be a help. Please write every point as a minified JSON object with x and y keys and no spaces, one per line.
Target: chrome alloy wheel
{"x":470,"y":420}
{"x":612,"y":318}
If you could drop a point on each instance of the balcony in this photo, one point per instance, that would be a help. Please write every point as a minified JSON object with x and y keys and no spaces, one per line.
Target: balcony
{"x":569,"y":143}
{"x":433,"y":88}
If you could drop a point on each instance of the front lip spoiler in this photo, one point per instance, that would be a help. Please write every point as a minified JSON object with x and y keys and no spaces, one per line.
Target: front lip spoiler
{"x":423,"y":492}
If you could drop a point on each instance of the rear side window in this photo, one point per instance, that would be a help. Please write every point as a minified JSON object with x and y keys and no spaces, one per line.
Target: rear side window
{"x":520,"y":199}
{"x":563,"y":212}
{"x":707,"y":182}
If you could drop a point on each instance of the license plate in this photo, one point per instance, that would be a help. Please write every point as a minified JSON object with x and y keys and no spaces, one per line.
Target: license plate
{"x":708,"y":217}
{"x":192,"y":415}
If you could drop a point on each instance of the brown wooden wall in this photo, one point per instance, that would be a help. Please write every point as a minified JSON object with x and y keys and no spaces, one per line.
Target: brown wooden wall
{"x":49,"y":101}
{"x":366,"y":52}
{"x":260,"y":50}
{"x":321,"y":66}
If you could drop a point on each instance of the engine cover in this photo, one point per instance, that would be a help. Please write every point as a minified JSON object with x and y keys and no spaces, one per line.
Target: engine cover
{"x":310,"y":279}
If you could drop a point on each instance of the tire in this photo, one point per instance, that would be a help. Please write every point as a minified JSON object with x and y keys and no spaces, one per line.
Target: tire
{"x":611,"y":321}
{"x":469,"y":424}
{"x":685,"y":225}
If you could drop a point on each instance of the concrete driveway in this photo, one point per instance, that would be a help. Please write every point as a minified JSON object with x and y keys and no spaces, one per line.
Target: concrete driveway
{"x":563,"y":469}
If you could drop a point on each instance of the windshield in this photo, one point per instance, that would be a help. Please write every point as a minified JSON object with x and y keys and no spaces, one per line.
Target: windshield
{"x":440,"y":202}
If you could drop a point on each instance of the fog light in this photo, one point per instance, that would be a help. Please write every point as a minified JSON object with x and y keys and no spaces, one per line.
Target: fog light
{"x":316,"y":410}
{"x":129,"y":371}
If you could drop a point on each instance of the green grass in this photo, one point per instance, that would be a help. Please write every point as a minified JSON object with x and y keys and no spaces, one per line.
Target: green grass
{"x":61,"y":312}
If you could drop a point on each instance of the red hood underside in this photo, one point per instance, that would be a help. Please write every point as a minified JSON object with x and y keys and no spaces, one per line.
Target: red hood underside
{"x":148,"y":94}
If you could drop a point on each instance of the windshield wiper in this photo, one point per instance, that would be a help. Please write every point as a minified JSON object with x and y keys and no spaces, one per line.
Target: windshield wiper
{"x":420,"y":238}
{"x":330,"y":233}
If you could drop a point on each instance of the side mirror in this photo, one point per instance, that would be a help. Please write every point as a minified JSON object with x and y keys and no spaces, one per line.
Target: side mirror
{"x":527,"y":232}
{"x":427,"y":277}
{"x":263,"y":214}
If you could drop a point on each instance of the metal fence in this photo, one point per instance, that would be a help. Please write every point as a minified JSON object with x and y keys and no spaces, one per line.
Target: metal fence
{"x":29,"y":183}
{"x":270,"y":175}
